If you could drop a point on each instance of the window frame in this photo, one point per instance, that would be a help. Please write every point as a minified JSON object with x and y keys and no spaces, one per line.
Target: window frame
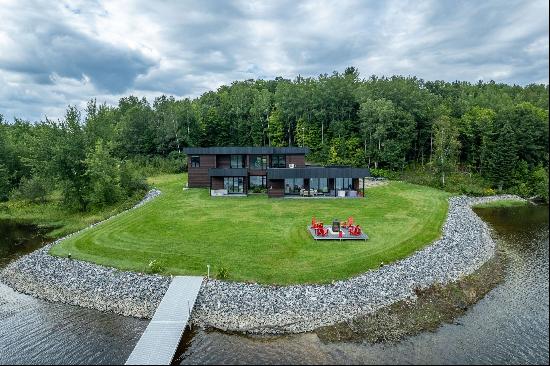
{"x":242,"y":161}
{"x":263,"y":165}
{"x":276,"y":161}
{"x":230,"y":183}
{"x":195,"y":161}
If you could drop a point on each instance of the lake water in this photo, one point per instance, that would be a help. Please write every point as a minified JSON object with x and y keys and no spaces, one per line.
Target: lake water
{"x":510,"y":325}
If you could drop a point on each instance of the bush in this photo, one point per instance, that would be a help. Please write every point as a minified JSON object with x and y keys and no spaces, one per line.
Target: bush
{"x":539,"y":183}
{"x":149,"y":166}
{"x":154,"y":266}
{"x":384,"y":173}
{"x":33,"y":189}
{"x":131,"y":178}
{"x":223,"y":273}
{"x":4,"y":183}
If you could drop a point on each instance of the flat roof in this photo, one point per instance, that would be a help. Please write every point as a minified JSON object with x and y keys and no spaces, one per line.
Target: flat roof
{"x":317,"y":172}
{"x":214,"y":150}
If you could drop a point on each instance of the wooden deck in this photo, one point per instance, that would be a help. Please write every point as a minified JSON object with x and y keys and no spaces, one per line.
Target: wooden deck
{"x":162,"y":336}
{"x":334,"y":236}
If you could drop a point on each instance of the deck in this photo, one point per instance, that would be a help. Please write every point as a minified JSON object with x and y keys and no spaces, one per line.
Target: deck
{"x":334,"y":235}
{"x":162,"y":336}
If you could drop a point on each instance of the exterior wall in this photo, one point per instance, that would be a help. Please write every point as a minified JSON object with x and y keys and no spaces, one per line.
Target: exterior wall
{"x":217,"y":182}
{"x":223,"y":161}
{"x":198,"y":177}
{"x":299,"y":161}
{"x":277,"y":188}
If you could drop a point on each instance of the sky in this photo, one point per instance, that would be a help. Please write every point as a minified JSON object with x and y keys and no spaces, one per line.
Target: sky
{"x":56,"y":53}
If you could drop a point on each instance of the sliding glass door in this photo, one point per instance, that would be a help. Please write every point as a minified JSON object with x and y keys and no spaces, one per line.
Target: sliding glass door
{"x":320,"y":184}
{"x":294,"y":185}
{"x":234,"y":184}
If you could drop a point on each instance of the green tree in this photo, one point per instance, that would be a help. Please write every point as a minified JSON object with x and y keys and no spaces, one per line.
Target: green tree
{"x":103,"y":174}
{"x":446,"y":147}
{"x":276,"y":132}
{"x":503,"y":157}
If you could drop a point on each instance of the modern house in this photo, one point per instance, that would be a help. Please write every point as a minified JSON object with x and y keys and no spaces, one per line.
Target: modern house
{"x":280,"y":171}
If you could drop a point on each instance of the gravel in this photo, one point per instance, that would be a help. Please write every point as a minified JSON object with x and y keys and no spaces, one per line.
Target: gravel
{"x":232,"y":306}
{"x":464,"y":246}
{"x":86,"y":284}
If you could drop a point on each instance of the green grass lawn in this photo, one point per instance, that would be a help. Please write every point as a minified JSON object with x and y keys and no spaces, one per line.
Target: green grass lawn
{"x":260,"y":239}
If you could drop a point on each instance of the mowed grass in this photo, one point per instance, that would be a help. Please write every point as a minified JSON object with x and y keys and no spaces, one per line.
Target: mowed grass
{"x":261,"y":239}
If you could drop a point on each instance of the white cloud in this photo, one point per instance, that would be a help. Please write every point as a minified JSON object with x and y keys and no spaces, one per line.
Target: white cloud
{"x":54,"y":54}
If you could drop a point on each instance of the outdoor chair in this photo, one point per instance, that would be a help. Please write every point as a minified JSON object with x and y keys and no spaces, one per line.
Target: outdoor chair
{"x":348,"y":223}
{"x":355,"y":230}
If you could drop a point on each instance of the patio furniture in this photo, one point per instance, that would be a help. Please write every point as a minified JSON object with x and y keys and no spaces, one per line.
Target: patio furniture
{"x":341,"y":193}
{"x":348,"y":222}
{"x":335,"y":225}
{"x":321,"y":231}
{"x":352,"y":193}
{"x":354,"y":230}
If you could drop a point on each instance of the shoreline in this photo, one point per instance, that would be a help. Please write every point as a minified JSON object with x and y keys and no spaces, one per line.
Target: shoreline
{"x":464,"y":246}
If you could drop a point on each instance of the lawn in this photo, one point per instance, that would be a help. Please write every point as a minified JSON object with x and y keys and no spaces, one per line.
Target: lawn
{"x":260,"y":239}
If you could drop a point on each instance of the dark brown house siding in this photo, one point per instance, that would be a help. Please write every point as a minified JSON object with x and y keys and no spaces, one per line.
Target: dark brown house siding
{"x":217,"y":182}
{"x":297,"y":160}
{"x":224,"y":161}
{"x":198,"y":177}
{"x":276,"y":188}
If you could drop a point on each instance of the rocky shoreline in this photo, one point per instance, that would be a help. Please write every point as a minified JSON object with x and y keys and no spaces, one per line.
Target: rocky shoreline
{"x":465,"y":245}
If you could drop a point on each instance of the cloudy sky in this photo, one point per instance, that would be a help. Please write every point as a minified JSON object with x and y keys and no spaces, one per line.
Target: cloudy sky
{"x":55,"y":55}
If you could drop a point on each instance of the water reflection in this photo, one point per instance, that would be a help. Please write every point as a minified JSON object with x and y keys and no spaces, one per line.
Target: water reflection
{"x":38,"y":332}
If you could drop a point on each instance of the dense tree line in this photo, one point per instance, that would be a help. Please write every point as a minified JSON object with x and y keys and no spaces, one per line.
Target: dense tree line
{"x":495,"y":134}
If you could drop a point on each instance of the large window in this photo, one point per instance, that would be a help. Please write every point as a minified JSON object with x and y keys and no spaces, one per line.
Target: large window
{"x":278,"y":161}
{"x":258,"y":162}
{"x":257,"y":184}
{"x":320,"y":184}
{"x":195,"y":161}
{"x":257,"y":181}
{"x":237,"y":161}
{"x":234,"y":184}
{"x":344,"y":184}
{"x":294,"y":185}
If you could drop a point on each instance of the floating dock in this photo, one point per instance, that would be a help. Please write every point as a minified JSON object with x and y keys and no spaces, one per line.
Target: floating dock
{"x":162,"y":336}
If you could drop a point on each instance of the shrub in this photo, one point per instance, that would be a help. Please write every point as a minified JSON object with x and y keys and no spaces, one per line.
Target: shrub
{"x":33,"y":189}
{"x":4,"y":183}
{"x":384,"y":173}
{"x":223,"y":273}
{"x":154,"y":266}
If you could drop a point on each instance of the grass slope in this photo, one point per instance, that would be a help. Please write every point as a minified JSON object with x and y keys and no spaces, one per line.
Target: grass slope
{"x":261,"y":239}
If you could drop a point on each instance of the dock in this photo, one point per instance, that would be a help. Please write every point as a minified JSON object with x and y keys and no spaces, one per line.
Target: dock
{"x":162,"y":336}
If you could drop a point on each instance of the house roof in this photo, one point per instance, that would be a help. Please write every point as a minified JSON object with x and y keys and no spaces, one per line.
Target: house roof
{"x":317,"y":172}
{"x":214,"y":150}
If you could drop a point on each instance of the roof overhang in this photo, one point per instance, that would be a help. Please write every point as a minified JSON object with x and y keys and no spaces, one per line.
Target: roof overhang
{"x":250,"y":150}
{"x":227,"y":172}
{"x":329,"y":172}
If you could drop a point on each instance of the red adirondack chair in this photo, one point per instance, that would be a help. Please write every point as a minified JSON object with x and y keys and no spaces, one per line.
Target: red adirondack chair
{"x":356,"y":231}
{"x":348,"y":223}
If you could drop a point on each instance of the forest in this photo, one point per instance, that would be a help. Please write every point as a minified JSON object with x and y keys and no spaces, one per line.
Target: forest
{"x":472,"y":138}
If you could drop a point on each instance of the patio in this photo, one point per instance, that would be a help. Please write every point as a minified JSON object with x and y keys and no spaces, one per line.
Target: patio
{"x":346,"y":230}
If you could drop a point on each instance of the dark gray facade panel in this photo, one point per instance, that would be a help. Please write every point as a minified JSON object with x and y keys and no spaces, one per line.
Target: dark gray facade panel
{"x":215,"y":150}
{"x":282,"y":173}
{"x":227,"y":172}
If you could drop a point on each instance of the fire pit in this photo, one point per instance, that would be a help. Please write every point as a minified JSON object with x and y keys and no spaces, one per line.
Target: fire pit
{"x":335,"y":226}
